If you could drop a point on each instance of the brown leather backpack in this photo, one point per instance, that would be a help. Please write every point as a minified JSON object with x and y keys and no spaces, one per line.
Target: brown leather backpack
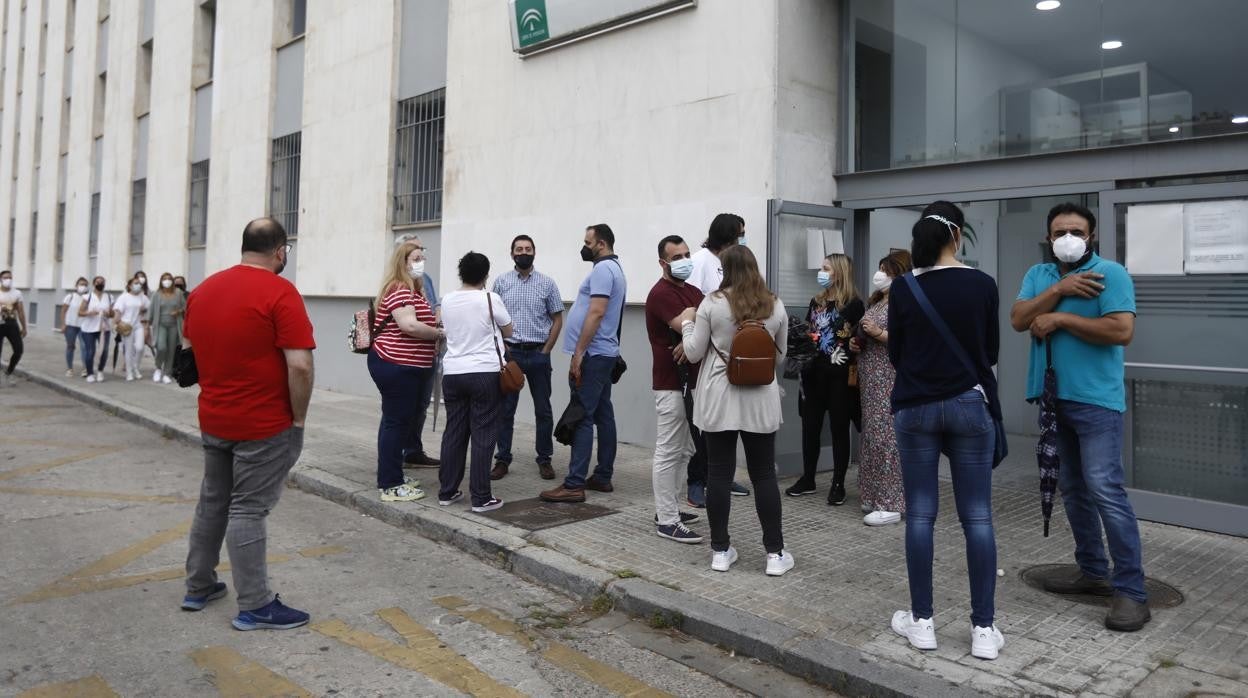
{"x":751,"y":359}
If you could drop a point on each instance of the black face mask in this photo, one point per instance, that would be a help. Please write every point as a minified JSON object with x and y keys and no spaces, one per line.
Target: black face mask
{"x":99,"y":287}
{"x":179,"y":287}
{"x":587,"y":254}
{"x":523,"y":261}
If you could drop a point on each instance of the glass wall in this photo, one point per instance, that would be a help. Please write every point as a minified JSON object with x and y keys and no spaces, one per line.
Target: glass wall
{"x":939,"y":81}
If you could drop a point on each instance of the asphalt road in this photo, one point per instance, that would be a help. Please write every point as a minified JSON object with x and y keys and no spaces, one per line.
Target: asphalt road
{"x":93,"y":519}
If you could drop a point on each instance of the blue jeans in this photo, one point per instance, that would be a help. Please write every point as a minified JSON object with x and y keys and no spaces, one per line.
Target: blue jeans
{"x":1089,"y":444}
{"x":89,"y":340}
{"x":536,"y":368}
{"x":414,"y":442}
{"x":961,"y":428}
{"x":397,"y":384}
{"x":73,"y":336}
{"x":595,"y":397}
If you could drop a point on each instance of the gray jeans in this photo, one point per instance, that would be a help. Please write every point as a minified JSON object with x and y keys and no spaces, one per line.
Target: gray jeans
{"x":242,"y":483}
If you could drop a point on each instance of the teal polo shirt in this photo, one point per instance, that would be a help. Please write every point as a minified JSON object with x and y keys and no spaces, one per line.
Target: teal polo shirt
{"x":1086,"y":372}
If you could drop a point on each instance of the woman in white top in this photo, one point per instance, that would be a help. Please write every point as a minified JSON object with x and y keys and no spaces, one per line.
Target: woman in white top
{"x":12,"y":321}
{"x":96,"y":309}
{"x":476,"y":322}
{"x":71,"y":323}
{"x":723,"y":410}
{"x":131,"y":311}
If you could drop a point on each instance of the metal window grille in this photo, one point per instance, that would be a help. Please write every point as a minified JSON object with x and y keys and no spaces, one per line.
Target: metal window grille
{"x":284,"y":187}
{"x":60,"y":231}
{"x":34,"y":230}
{"x":197,"y":216}
{"x":12,"y":240}
{"x":138,"y":214}
{"x":418,"y":158}
{"x":93,"y":236}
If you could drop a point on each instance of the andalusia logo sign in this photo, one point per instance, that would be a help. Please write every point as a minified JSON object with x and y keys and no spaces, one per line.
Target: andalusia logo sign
{"x":531,"y":24}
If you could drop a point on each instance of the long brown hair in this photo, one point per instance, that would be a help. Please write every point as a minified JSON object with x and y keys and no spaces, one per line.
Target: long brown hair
{"x":842,"y":290}
{"x":895,"y":265}
{"x":747,"y":293}
{"x":396,"y":273}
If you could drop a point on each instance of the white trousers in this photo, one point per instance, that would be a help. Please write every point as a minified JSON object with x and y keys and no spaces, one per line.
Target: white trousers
{"x":672,"y":450}
{"x":132,"y":348}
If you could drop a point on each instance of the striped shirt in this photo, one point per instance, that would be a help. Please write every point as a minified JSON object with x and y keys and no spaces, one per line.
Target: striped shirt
{"x":391,"y":343}
{"x":531,"y":301}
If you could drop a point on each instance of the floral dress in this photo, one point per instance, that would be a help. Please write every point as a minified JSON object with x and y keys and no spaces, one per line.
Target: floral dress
{"x":879,"y":472}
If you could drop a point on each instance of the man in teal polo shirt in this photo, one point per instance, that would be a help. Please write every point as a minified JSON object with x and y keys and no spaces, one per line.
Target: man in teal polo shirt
{"x":1084,"y":307}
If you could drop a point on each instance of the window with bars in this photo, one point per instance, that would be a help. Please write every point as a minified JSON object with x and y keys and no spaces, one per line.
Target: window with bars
{"x":418,"y":158}
{"x":60,"y":231}
{"x":284,"y":184}
{"x":197,"y":216}
{"x":93,"y":233}
{"x":138,"y":214}
{"x":12,"y":240}
{"x":34,"y":231}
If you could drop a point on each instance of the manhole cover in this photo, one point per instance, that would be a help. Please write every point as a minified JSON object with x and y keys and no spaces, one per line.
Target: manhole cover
{"x":1160,"y":594}
{"x":534,"y":514}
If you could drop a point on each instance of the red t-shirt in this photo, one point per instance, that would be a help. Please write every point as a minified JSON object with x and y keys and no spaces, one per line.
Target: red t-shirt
{"x":391,"y":343}
{"x":239,"y":321}
{"x":665,"y":302}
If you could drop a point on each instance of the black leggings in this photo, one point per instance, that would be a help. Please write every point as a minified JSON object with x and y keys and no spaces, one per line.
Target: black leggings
{"x":760,"y":460}
{"x":825,"y":390}
{"x":12,"y":331}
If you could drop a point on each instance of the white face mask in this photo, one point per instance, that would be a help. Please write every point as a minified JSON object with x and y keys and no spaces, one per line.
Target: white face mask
{"x":1069,"y":248}
{"x":416,"y":269}
{"x":136,"y":287}
{"x":82,"y":288}
{"x":167,"y":283}
{"x":823,"y":278}
{"x":881,"y":281}
{"x":6,"y":283}
{"x":681,"y":268}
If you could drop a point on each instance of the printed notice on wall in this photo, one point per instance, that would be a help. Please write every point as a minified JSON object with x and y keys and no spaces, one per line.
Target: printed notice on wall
{"x":1217,"y":237}
{"x":1155,"y":239}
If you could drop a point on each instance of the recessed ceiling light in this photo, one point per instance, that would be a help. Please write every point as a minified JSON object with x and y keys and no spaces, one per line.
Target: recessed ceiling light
{"x":1111,"y":45}
{"x":1045,"y":5}
{"x":1174,"y":129}
{"x":1239,"y":119}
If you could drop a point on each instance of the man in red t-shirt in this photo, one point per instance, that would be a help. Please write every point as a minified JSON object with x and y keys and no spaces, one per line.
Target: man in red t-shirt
{"x":676,"y":444}
{"x":252,"y":342}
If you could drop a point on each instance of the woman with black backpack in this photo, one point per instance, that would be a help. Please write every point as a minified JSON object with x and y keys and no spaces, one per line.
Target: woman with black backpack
{"x":738,"y":396}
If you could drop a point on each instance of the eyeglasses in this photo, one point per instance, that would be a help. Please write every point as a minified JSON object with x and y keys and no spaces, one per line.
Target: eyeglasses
{"x":288,"y":247}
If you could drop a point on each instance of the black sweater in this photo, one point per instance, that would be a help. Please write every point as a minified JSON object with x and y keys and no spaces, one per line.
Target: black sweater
{"x":927,"y":369}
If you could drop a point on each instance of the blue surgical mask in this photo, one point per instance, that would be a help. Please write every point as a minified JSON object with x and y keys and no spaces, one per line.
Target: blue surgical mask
{"x":681,"y":268}
{"x":741,"y":241}
{"x":824,"y":278}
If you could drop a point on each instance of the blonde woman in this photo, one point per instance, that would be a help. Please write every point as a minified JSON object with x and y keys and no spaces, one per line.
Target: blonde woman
{"x":832,"y":316}
{"x":401,"y":363}
{"x":724,"y":411}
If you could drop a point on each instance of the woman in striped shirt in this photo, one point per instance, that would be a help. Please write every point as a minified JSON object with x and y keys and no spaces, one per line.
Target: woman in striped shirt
{"x":400,"y":362}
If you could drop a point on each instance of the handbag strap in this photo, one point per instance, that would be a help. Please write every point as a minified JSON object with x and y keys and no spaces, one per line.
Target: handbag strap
{"x":954,"y":345}
{"x":489,"y":303}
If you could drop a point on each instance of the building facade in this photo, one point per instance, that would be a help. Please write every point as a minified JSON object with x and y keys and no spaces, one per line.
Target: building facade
{"x":148,"y":133}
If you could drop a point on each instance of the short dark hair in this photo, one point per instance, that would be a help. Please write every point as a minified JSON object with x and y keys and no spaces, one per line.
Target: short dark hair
{"x":6,"y":271}
{"x":669,"y":240}
{"x":602,"y":233}
{"x":929,"y":236}
{"x":1070,"y":207}
{"x":521,"y":238}
{"x":263,"y":236}
{"x":474,"y":267}
{"x":724,"y":231}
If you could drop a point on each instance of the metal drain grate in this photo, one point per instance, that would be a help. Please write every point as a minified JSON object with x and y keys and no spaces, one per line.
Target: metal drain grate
{"x":534,"y":514}
{"x":1160,"y":594}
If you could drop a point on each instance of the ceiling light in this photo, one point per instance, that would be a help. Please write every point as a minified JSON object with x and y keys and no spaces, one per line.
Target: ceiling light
{"x":1239,"y":119}
{"x":1045,"y":5}
{"x":1111,"y":44}
{"x":1174,"y":129}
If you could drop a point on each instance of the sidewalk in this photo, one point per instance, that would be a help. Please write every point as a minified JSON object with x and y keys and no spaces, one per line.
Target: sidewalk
{"x":828,"y":618}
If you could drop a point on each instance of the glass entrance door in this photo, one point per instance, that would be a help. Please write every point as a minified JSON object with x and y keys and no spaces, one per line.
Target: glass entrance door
{"x":799,"y":236}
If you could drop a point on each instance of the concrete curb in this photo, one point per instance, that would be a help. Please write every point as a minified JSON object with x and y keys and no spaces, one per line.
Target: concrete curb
{"x":839,"y":667}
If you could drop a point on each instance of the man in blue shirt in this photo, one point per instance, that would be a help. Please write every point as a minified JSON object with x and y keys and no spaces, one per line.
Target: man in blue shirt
{"x":1084,"y":307}
{"x":536,"y":310}
{"x":593,"y":340}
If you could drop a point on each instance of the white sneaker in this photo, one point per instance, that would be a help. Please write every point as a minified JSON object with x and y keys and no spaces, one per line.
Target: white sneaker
{"x":91,"y":378}
{"x":99,"y":377}
{"x":69,"y":373}
{"x":129,"y":377}
{"x":881,"y":518}
{"x":10,"y":381}
{"x":986,"y":643}
{"x":156,"y":376}
{"x":84,"y":374}
{"x":402,"y":493}
{"x":721,"y":561}
{"x":779,"y":563}
{"x":138,"y":375}
{"x":411,"y":481}
{"x":166,"y":380}
{"x":919,"y":632}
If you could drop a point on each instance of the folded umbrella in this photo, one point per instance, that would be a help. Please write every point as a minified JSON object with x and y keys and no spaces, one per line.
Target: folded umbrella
{"x":565,"y":428}
{"x":801,"y":349}
{"x":1046,"y":447}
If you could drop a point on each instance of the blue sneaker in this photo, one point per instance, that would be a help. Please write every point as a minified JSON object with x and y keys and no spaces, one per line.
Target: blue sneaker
{"x":697,"y":495}
{"x":275,"y":616}
{"x":197,"y":603}
{"x":739,"y":490}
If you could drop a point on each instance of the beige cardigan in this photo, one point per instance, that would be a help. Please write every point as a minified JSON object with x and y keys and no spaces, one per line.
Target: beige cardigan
{"x":719,"y":405}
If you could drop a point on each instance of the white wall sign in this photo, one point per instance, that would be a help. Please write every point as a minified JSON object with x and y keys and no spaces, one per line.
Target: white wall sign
{"x":1216,"y":237}
{"x":1155,"y":239}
